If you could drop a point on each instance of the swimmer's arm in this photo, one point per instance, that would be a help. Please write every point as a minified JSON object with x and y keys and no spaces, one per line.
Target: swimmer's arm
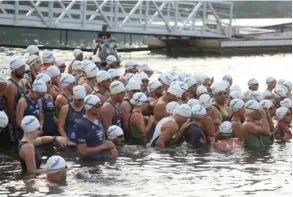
{"x":88,"y":90}
{"x":54,"y":115}
{"x":138,"y":122}
{"x":256,"y":130}
{"x":53,"y":93}
{"x":9,"y":94}
{"x":28,"y":151}
{"x":209,"y":128}
{"x":21,"y":106}
{"x":62,"y":118}
{"x":70,"y":67}
{"x":106,"y":116}
{"x":125,"y":109}
{"x":41,"y":113}
{"x":237,"y":130}
{"x":87,"y":151}
{"x":167,"y":134}
{"x":60,"y":102}
{"x":180,"y":133}
{"x":271,"y":124}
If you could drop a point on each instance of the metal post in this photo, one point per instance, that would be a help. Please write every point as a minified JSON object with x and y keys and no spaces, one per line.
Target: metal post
{"x":146,"y":16}
{"x":16,"y":12}
{"x":116,"y":13}
{"x":204,"y":17}
{"x":83,"y":12}
{"x":66,"y":37}
{"x":130,"y":40}
{"x":51,"y":13}
{"x":60,"y":38}
{"x":230,"y":19}
{"x":176,"y":16}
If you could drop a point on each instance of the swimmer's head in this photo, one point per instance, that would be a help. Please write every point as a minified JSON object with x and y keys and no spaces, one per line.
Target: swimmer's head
{"x":171,"y":107}
{"x":56,"y":169}
{"x":226,"y":129}
{"x":116,"y":135}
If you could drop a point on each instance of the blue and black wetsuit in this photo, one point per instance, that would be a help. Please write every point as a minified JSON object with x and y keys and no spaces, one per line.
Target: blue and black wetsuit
{"x":49,"y":127}
{"x":38,"y":157}
{"x":117,"y":119}
{"x":195,"y":136}
{"x":72,"y":118}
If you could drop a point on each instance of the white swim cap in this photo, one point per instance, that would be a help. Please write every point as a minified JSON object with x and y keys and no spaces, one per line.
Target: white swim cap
{"x":55,"y":164}
{"x":219,"y":87}
{"x":288,"y":85}
{"x":44,"y":77}
{"x":235,"y":88}
{"x":3,"y":119}
{"x":53,"y":71}
{"x":183,"y":110}
{"x":236,"y":95}
{"x":130,"y":65}
{"x":266,"y":103}
{"x":85,"y":63}
{"x":48,"y":56}
{"x":270,"y":80}
{"x":198,"y":111}
{"x":267,"y":94}
{"x":59,"y":62}
{"x":138,"y":99}
{"x":90,"y":101}
{"x":76,"y":65}
{"x":281,"y":81}
{"x":26,"y":67}
{"x":281,"y":112}
{"x":32,"y":59}
{"x":256,"y":95}
{"x":91,"y":70}
{"x":16,"y":63}
{"x":203,"y":77}
{"x":114,"y":131}
{"x":128,"y":76}
{"x":32,"y":49}
{"x":79,"y":92}
{"x":116,"y":87}
{"x":225,"y":128}
{"x":135,"y":78}
{"x":144,"y":67}
{"x":193,"y":102}
{"x":181,"y":84}
{"x":3,"y":79}
{"x":39,"y":86}
{"x":201,"y":90}
{"x":197,"y":78}
{"x":133,"y":85}
{"x":29,"y":124}
{"x":166,"y":78}
{"x":77,"y":52}
{"x":206,"y":101}
{"x":96,"y":59}
{"x":111,"y":59}
{"x":67,"y":79}
{"x":170,"y":107}
{"x":190,"y":81}
{"x":153,"y":85}
{"x":181,"y":77}
{"x":251,"y":106}
{"x":114,"y":73}
{"x":236,"y":104}
{"x":227,"y":77}
{"x":103,"y":75}
{"x":247,"y":95}
{"x":143,"y":75}
{"x":175,"y":90}
{"x":252,"y":81}
{"x":280,"y":92}
{"x":286,"y":103}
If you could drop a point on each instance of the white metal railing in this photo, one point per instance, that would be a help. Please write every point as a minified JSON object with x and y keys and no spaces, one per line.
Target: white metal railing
{"x":171,"y":18}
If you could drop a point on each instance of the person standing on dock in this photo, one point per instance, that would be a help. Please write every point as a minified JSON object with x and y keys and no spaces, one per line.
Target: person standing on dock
{"x":104,"y":34}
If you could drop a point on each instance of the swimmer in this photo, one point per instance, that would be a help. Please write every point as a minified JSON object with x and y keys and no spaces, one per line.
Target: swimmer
{"x":257,"y":96}
{"x":54,"y":73}
{"x":234,"y":95}
{"x":103,"y":79}
{"x":61,"y":65}
{"x":173,"y":94}
{"x":13,"y":93}
{"x":192,"y":86}
{"x":48,"y":60}
{"x":288,"y":85}
{"x":269,"y":107}
{"x":255,"y":125}
{"x":115,"y":75}
{"x":78,"y":55}
{"x":33,"y":50}
{"x":116,"y":135}
{"x":145,"y":82}
{"x":155,"y":89}
{"x":67,"y":82}
{"x":131,"y":67}
{"x":271,"y":85}
{"x":201,"y":90}
{"x":56,"y":169}
{"x":287,"y":103}
{"x":90,"y":133}
{"x":228,"y":78}
{"x":111,"y":61}
{"x":71,"y":113}
{"x":30,"y":105}
{"x":3,"y":86}
{"x":77,"y":69}
{"x":35,"y":63}
{"x":29,"y":155}
{"x":279,"y":95}
{"x":252,"y":84}
{"x":50,"y":120}
{"x":166,"y":79}
{"x":282,"y":129}
{"x":91,"y":81}
{"x":111,"y":109}
{"x":192,"y":102}
{"x":145,"y":68}
{"x":139,"y":126}
{"x":133,"y":86}
{"x":238,"y":109}
{"x":184,"y":87}
{"x":169,"y":126}
{"x":5,"y":135}
{"x":227,"y":142}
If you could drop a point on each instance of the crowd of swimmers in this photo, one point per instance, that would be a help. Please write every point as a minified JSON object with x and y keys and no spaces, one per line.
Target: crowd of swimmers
{"x":97,"y":109}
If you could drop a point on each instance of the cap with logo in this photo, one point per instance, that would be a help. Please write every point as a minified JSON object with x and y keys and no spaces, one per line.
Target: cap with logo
{"x":198,"y":111}
{"x":114,"y":73}
{"x":153,"y":85}
{"x":53,"y":71}
{"x":138,"y":99}
{"x":29,"y":124}
{"x":190,"y":81}
{"x":91,"y":70}
{"x":251,"y":106}
{"x":280,"y":92}
{"x":32,"y":49}
{"x":257,"y":95}
{"x":236,"y":104}
{"x":166,"y":78}
{"x":39,"y":86}
{"x":183,"y":110}
{"x":128,"y":76}
{"x":171,"y":106}
{"x":226,"y":128}
{"x":79,"y":92}
{"x":144,"y":67}
{"x":114,"y":132}
{"x":175,"y":90}
{"x":133,"y":84}
{"x":16,"y":63}
{"x":90,"y":101}
{"x":102,"y":75}
{"x":143,"y":75}
{"x":67,"y":79}
{"x":130,"y":65}
{"x":116,"y":87}
{"x":48,"y":57}
{"x":266,"y":103}
{"x":55,"y":163}
{"x":281,"y":112}
{"x":206,"y":101}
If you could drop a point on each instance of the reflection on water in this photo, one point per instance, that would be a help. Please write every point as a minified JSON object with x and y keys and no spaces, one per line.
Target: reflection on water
{"x":173,"y":172}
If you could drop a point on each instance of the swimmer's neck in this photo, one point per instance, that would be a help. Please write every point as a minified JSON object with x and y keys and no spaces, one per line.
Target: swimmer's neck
{"x":270,"y":89}
{"x":16,"y":79}
{"x":91,"y":81}
{"x":66,"y":92}
{"x":112,"y":100}
{"x":283,"y":124}
{"x":102,"y":89}
{"x":236,"y":117}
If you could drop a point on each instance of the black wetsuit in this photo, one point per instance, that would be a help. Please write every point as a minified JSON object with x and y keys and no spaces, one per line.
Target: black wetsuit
{"x":38,"y":158}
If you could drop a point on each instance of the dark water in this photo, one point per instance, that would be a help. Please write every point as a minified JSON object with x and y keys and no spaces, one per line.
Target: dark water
{"x":173,"y":172}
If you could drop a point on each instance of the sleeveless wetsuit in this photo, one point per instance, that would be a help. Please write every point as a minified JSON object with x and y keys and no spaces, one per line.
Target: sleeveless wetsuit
{"x":38,"y":158}
{"x":93,"y":89}
{"x":71,"y":119}
{"x":49,"y":127}
{"x":5,"y":135}
{"x":32,"y":108}
{"x":135,"y":137}
{"x":281,"y":132}
{"x":157,"y":132}
{"x":225,"y":117}
{"x":92,"y":135}
{"x":117,"y":118}
{"x":69,"y":100}
{"x":195,"y":136}
{"x":20,"y":93}
{"x":253,"y":142}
